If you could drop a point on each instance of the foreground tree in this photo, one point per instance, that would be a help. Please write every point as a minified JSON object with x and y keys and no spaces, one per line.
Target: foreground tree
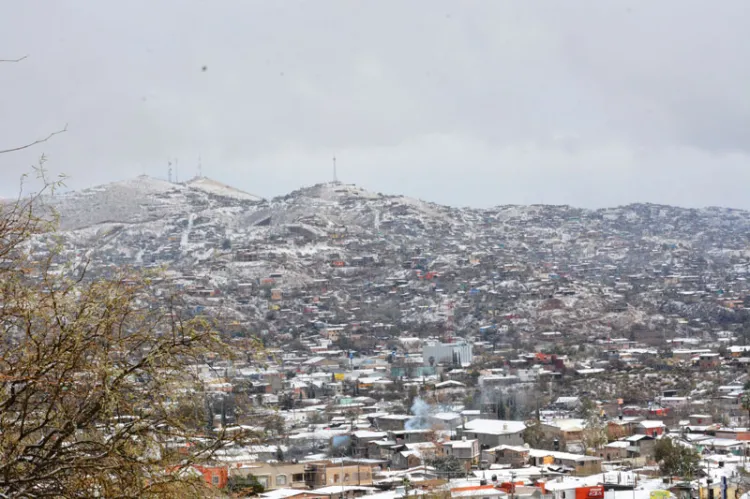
{"x":533,"y":434}
{"x":446,"y":466}
{"x":594,"y":433}
{"x":676,"y":459}
{"x":745,"y":403}
{"x":98,"y":394}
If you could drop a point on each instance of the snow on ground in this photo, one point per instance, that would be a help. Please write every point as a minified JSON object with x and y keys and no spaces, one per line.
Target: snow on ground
{"x":213,"y":187}
{"x":354,"y":190}
{"x":142,"y":184}
{"x":186,"y":234}
{"x":132,"y":201}
{"x":308,"y":249}
{"x":424,"y":207}
{"x":204,"y":255}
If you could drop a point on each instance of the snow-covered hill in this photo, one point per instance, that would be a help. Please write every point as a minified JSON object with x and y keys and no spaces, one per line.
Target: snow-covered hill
{"x":218,"y":189}
{"x":143,"y":199}
{"x":376,"y":257}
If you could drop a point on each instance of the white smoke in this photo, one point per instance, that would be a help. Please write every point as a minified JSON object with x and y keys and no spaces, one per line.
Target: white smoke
{"x":421,"y":411}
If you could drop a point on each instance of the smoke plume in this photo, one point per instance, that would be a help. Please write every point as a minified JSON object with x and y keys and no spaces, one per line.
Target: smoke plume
{"x":421,"y":411}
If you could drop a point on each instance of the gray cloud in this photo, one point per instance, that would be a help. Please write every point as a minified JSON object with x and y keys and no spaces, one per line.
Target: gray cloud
{"x":467,"y":103}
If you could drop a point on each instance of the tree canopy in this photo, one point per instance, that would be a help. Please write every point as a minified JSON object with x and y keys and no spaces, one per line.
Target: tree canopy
{"x":446,"y":466}
{"x":533,"y":434}
{"x":676,"y":459}
{"x":98,"y":395}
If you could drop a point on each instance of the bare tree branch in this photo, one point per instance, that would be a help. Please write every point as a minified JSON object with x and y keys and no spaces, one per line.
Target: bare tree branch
{"x":14,"y":60}
{"x":39,"y":141}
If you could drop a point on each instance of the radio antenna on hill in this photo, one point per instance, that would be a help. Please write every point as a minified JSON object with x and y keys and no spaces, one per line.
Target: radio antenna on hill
{"x":169,"y":171}
{"x":335,"y":177}
{"x":200,"y":167}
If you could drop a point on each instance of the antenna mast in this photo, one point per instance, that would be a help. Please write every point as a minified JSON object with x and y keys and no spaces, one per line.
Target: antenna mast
{"x":335,"y":177}
{"x":176,"y":178}
{"x":169,"y":171}
{"x":200,"y":166}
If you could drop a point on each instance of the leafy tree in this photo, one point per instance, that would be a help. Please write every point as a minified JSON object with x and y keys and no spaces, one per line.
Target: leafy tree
{"x":469,"y":400}
{"x":723,"y":351}
{"x":245,"y":486}
{"x":676,"y":459}
{"x":317,"y":418}
{"x":407,"y":486}
{"x":502,"y":413}
{"x":533,"y":434}
{"x":96,"y":391}
{"x":446,"y":466}
{"x":587,"y":408}
{"x":665,"y":352}
{"x":745,"y":401}
{"x":513,"y":410}
{"x":274,"y":424}
{"x":286,"y":402}
{"x":594,"y":433}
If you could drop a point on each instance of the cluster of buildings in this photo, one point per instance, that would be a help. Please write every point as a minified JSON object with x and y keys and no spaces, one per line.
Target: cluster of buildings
{"x":441,"y":425}
{"x":406,"y":346}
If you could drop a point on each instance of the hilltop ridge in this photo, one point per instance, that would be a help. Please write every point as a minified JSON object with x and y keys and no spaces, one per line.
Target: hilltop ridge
{"x":142,"y":199}
{"x":366,"y":256}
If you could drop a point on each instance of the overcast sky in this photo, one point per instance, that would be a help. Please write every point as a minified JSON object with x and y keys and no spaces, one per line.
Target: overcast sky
{"x":589,"y":103}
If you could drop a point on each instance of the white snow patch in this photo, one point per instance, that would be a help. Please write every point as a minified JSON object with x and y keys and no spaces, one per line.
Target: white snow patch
{"x":213,"y":187}
{"x":186,"y":234}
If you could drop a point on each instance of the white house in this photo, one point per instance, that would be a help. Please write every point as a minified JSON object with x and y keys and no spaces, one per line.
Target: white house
{"x":493,"y":432}
{"x":460,"y":353}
